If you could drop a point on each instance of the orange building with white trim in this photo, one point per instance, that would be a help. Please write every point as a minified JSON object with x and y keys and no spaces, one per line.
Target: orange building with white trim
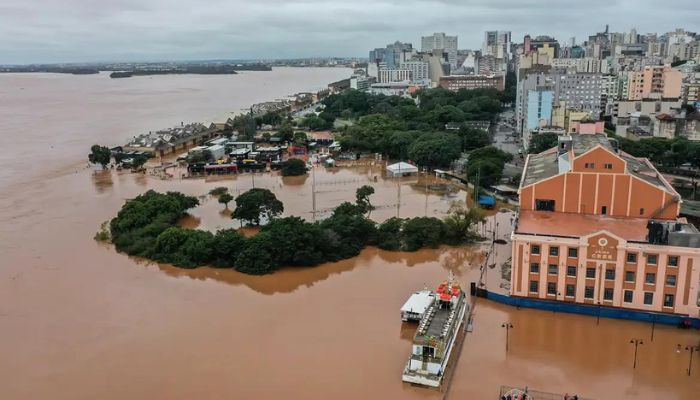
{"x":599,"y":226}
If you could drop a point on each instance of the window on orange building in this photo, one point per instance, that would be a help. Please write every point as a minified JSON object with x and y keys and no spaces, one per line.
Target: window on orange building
{"x":629,"y":276}
{"x":648,"y":298}
{"x":627,"y":296}
{"x":604,"y":210}
{"x":608,"y":294}
{"x":552,"y":269}
{"x":554,"y":251}
{"x":668,"y":300}
{"x":670,"y":280}
{"x":590,"y":273}
{"x":544,"y":205}
{"x":610,"y":274}
{"x":535,"y":249}
{"x":551,"y":288}
{"x":571,"y":270}
{"x":534,"y":286}
{"x":534,"y":268}
{"x":631,"y":257}
{"x":652,"y":259}
{"x":573,"y":252}
{"x":650,"y":278}
{"x":588,"y":292}
{"x":570,"y":290}
{"x":607,"y":166}
{"x":672,"y":261}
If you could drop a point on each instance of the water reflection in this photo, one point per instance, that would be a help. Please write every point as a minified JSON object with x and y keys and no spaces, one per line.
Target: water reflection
{"x":286,"y":280}
{"x":102,"y":180}
{"x":408,"y":331}
{"x":295,"y":180}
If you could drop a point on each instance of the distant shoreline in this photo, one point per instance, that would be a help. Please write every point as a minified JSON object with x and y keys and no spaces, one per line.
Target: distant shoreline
{"x":126,"y":71}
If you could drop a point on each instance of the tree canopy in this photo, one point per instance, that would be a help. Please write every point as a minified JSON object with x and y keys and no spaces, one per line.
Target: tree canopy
{"x":542,"y":141}
{"x":392,"y":125}
{"x":435,"y":149}
{"x":257,"y":204}
{"x":100,"y":155}
{"x":486,"y":165}
{"x":294,"y":167}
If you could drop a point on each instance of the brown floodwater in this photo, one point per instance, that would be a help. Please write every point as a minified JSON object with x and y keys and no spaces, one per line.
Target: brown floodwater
{"x":78,"y":320}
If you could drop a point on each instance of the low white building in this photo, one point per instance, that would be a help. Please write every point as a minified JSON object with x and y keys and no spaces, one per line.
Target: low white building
{"x":401,"y":169}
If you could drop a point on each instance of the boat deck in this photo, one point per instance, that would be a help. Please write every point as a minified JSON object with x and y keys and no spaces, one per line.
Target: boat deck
{"x":437,"y":322}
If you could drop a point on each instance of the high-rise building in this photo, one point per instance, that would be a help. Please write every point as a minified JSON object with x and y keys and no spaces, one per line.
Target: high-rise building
{"x":497,"y":44}
{"x":392,"y":55}
{"x":440,"y":41}
{"x":539,"y":108}
{"x":394,"y":75}
{"x":654,"y":82}
{"x":582,"y":91}
{"x":420,"y":71}
{"x":542,"y":41}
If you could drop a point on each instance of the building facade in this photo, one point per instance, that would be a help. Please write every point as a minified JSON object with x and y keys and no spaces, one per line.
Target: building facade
{"x":420,"y":71}
{"x":539,"y":108}
{"x":394,"y":75}
{"x":440,"y":41}
{"x":600,"y":227}
{"x":581,"y":91}
{"x":497,"y":44}
{"x":469,"y":82}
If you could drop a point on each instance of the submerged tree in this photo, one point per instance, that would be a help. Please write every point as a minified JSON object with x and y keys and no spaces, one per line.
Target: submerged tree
{"x":362,"y":199}
{"x":225,"y":199}
{"x":255,"y":204}
{"x":100,"y":155}
{"x":461,"y":220}
{"x":293,"y":167}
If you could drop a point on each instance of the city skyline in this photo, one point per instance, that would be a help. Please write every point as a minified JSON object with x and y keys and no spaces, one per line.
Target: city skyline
{"x":126,"y":30}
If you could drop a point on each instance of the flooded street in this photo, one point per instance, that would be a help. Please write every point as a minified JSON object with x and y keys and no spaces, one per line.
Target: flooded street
{"x":79,"y":320}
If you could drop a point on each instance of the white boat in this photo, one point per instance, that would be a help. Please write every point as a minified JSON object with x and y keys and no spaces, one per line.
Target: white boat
{"x":436,"y":335}
{"x":415,"y":306}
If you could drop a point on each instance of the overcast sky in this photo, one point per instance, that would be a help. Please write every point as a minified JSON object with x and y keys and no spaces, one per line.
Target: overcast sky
{"x":123,"y":30}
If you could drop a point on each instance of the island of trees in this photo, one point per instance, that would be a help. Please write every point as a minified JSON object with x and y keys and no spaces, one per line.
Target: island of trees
{"x":146,"y":226}
{"x":184,"y":69}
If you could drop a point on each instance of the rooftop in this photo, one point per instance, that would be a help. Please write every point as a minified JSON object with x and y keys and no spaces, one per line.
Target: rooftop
{"x":673,"y":233}
{"x":577,"y":225}
{"x":546,"y":164}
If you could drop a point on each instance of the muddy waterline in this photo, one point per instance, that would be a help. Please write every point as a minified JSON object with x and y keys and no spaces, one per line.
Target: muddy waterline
{"x":78,"y":320}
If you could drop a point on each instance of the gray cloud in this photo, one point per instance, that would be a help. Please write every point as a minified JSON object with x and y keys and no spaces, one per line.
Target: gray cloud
{"x":95,"y":30}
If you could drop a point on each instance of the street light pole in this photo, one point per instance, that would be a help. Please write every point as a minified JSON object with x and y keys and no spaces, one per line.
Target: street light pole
{"x":653,"y":325}
{"x":636,"y":343}
{"x":508,"y":327}
{"x":691,"y":350}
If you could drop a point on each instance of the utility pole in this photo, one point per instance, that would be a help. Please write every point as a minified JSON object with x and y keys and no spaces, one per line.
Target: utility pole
{"x":636,"y":343}
{"x":426,"y":193}
{"x":690,"y":349}
{"x":398,"y":194}
{"x":508,"y":327}
{"x":313,"y":193}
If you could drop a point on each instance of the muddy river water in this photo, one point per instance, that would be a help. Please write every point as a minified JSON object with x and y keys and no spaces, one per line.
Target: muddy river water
{"x":78,"y":320}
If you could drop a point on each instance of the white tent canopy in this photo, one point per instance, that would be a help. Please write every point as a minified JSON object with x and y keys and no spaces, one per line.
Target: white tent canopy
{"x":401,"y":168}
